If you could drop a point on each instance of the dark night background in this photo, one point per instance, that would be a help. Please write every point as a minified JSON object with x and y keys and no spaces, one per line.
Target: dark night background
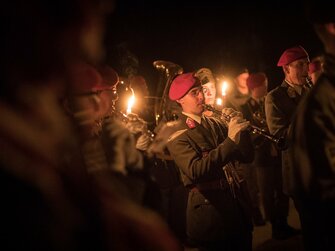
{"x":218,"y":35}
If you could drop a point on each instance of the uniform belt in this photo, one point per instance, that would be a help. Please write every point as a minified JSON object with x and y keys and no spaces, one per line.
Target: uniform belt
{"x":211,"y":185}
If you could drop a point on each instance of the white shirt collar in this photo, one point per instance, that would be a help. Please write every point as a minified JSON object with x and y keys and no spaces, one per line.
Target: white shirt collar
{"x":193,"y":116}
{"x":297,"y":88}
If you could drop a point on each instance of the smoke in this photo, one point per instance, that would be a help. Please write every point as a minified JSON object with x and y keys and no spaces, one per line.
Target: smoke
{"x":128,"y":61}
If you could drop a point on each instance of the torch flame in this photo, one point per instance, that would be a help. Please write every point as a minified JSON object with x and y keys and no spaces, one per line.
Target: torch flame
{"x":131,"y":102}
{"x":224,"y":88}
{"x":219,"y":101}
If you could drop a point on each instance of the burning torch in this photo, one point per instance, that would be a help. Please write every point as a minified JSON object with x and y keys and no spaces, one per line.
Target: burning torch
{"x":219,"y":101}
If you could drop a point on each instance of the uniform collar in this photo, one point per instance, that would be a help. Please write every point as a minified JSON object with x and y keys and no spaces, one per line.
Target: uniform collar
{"x":297,"y":88}
{"x":193,"y":116}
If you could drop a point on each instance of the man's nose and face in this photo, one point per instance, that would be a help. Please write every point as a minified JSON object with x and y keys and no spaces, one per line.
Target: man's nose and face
{"x":209,"y":91}
{"x":260,"y":91}
{"x":241,"y":80}
{"x":193,"y":101}
{"x":297,"y":71}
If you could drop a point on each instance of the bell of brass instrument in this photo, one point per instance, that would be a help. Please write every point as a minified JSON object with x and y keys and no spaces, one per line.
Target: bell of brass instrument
{"x":280,"y":142}
{"x":165,"y":108}
{"x":169,"y":68}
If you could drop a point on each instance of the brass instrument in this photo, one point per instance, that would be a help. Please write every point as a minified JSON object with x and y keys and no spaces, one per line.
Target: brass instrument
{"x":126,"y":118}
{"x":158,"y":139}
{"x":165,"y":108}
{"x":280,"y":142}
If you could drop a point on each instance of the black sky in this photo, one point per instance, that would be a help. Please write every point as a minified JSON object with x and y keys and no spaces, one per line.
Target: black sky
{"x":217,"y":35}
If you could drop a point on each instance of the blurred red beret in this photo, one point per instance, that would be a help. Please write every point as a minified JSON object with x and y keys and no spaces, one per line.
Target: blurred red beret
{"x":138,"y":82}
{"x":256,"y":79}
{"x":314,"y":66}
{"x":181,"y":85}
{"x":86,"y":79}
{"x":109,"y":75}
{"x":292,"y":54}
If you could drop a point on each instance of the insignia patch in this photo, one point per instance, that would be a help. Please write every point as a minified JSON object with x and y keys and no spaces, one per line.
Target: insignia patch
{"x":190,"y":123}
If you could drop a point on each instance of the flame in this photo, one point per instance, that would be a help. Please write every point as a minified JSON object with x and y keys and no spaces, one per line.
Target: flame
{"x":131,"y":102}
{"x":224,"y":88}
{"x":219,"y":101}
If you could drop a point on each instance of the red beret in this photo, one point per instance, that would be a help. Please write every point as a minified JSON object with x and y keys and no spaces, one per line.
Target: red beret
{"x":314,"y":66}
{"x":86,"y":79}
{"x":256,"y":79}
{"x":109,"y":75}
{"x":138,"y":82}
{"x":181,"y":85}
{"x":292,"y":54}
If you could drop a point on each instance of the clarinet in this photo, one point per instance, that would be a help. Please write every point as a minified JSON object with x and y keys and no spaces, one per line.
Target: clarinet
{"x":280,"y":142}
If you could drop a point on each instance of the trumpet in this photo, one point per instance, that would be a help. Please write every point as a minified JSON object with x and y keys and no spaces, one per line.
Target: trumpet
{"x":280,"y":142}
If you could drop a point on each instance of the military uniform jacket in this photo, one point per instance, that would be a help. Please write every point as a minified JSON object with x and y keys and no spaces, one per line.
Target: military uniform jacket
{"x":201,"y":153}
{"x":280,"y":107}
{"x":313,"y":151}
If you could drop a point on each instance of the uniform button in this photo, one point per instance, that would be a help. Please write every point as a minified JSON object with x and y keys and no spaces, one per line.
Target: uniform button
{"x":206,"y":201}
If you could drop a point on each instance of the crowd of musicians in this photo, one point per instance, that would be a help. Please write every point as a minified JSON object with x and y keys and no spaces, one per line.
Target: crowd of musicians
{"x":86,"y":164}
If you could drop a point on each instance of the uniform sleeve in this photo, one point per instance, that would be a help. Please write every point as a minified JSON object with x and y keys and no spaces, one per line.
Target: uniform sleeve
{"x":245,"y":152}
{"x":320,"y":125}
{"x":275,"y":118}
{"x":200,"y":166}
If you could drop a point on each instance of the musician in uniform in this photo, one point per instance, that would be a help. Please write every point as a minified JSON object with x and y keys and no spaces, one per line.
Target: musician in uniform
{"x":267,"y":162}
{"x":104,"y":139}
{"x":280,"y":107}
{"x":205,"y":149}
{"x":125,"y":139}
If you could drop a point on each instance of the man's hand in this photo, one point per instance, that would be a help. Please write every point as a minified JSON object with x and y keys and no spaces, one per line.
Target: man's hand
{"x":135,"y":124}
{"x":236,"y":125}
{"x":139,"y":128}
{"x":121,"y":151}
